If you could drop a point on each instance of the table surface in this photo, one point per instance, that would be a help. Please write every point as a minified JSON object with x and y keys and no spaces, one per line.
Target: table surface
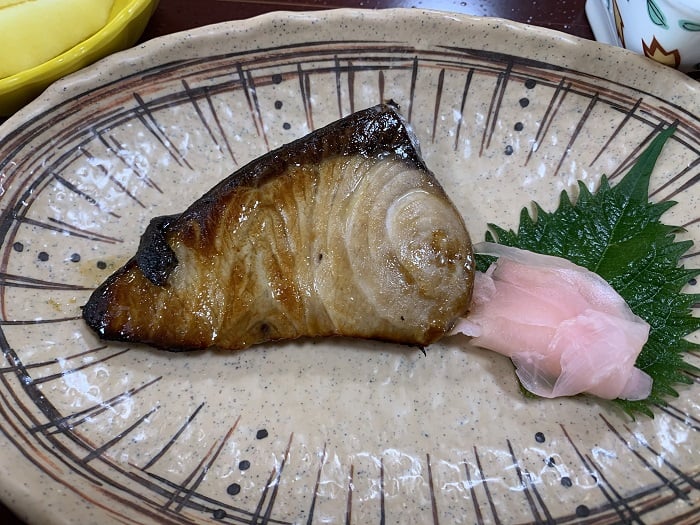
{"x":178,"y":15}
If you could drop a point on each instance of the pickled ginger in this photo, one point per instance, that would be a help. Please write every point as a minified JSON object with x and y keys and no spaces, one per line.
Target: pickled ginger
{"x":565,"y":328}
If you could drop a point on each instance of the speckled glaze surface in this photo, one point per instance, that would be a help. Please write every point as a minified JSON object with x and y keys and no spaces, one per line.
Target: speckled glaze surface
{"x":323,"y":431}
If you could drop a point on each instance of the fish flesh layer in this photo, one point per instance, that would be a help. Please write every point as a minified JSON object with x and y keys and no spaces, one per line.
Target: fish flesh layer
{"x":342,"y":232}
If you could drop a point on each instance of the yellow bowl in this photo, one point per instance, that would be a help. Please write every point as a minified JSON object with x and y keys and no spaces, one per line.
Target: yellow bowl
{"x":126,"y":22}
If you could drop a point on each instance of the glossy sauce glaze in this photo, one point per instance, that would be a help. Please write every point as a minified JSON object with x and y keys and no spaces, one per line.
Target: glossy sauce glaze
{"x":343,"y":232}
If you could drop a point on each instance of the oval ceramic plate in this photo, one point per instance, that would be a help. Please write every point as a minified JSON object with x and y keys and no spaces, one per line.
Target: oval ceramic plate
{"x":320,"y":431}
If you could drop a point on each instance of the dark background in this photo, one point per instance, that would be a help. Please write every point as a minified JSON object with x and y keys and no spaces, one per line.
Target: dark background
{"x":178,"y":15}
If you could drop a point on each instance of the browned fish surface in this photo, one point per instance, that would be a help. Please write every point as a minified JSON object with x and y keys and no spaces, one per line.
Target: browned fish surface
{"x":343,"y":232}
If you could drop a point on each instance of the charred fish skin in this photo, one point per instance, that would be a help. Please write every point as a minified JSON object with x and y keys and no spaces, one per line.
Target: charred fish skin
{"x":344,"y":232}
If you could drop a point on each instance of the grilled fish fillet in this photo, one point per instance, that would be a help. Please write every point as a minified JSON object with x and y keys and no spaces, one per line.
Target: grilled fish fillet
{"x":344,"y":232}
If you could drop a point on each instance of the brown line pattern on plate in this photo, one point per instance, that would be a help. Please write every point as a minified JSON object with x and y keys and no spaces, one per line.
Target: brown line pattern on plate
{"x":166,"y":71}
{"x":543,"y":505}
{"x":654,"y":499}
{"x":431,"y":488}
{"x":33,"y":452}
{"x":547,"y":70}
{"x":552,"y":75}
{"x":525,"y":484}
{"x":116,"y":439}
{"x":305,"y":92}
{"x":46,"y":159}
{"x":693,"y":423}
{"x":577,"y":131}
{"x":197,"y":93}
{"x":193,"y":61}
{"x":115,"y":148}
{"x":465,"y":92}
{"x":633,"y":156}
{"x":16,"y":140}
{"x":351,"y":86}
{"x":619,"y":500}
{"x":27,"y":164}
{"x":438,"y":98}
{"x":272,"y":481}
{"x":193,"y":100}
{"x":220,"y":505}
{"x":18,"y":208}
{"x":251,"y":90}
{"x":382,"y":493}
{"x":220,"y":65}
{"x":77,"y":231}
{"x":145,"y":115}
{"x":254,"y":111}
{"x":64,"y":455}
{"x":601,"y":482}
{"x":618,"y":129}
{"x":192,"y":489}
{"x":182,"y":487}
{"x":156,"y":516}
{"x":664,"y":480}
{"x":690,"y":255}
{"x":489,"y":498}
{"x":348,"y":497}
{"x":676,"y":178}
{"x":113,"y":179}
{"x":688,"y":129}
{"x":95,"y":410}
{"x":56,"y":448}
{"x":51,"y":472}
{"x":223,"y":133}
{"x":85,"y":366}
{"x":41,"y":364}
{"x":692,"y":517}
{"x":173,"y":439}
{"x":19,"y":281}
{"x":499,"y":91}
{"x":380,"y":87}
{"x":28,"y":384}
{"x":338,"y":91}
{"x":549,"y":115}
{"x":72,"y":187}
{"x":472,"y":493}
{"x":263,"y":495}
{"x":660,"y":457}
{"x":29,"y":322}
{"x":309,"y":105}
{"x":273,"y":496}
{"x":67,"y":229}
{"x":412,"y":90}
{"x":317,"y":485}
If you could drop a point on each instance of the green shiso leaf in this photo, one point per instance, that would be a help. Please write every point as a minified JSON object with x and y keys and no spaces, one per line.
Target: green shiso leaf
{"x":617,"y":233}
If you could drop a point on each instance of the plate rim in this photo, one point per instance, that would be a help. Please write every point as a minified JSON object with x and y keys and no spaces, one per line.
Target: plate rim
{"x":89,"y":77}
{"x":75,"y":82}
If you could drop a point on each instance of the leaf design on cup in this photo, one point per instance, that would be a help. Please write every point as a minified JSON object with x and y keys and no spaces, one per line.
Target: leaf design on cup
{"x":689,"y":26}
{"x":656,"y":14}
